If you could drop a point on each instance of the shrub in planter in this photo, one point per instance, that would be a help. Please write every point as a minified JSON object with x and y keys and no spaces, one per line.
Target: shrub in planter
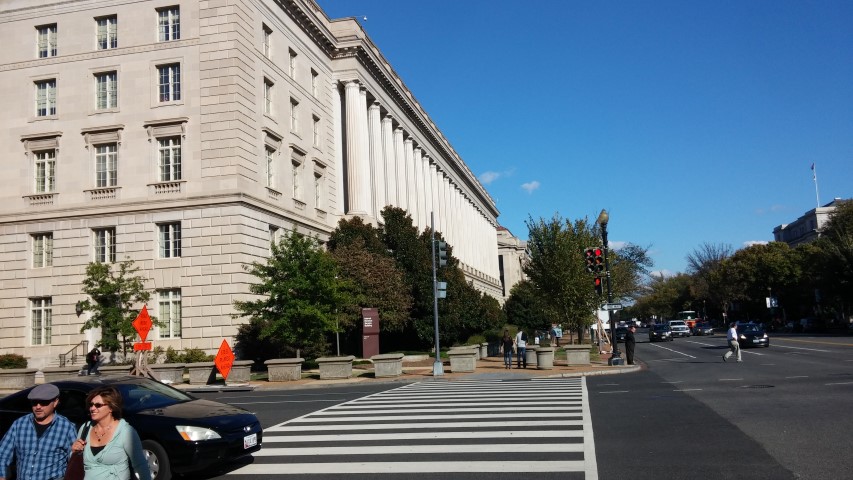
{"x":12,"y":360}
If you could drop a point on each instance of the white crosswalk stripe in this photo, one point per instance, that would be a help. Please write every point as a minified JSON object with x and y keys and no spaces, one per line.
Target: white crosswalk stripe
{"x":432,"y":429}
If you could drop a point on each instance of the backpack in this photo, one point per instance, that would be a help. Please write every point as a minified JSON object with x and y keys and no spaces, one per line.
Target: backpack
{"x":523,"y":336}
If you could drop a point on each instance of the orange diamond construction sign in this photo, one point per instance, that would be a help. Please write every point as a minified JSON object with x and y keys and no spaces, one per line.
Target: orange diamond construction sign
{"x":142,"y":324}
{"x":224,"y":359}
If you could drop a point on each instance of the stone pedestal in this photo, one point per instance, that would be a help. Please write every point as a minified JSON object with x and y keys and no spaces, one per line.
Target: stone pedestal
{"x":387,"y":365}
{"x":577,"y":354}
{"x":60,"y":373}
{"x":241,"y":371}
{"x":545,"y":358}
{"x":115,"y":369}
{"x":17,"y":378}
{"x":202,"y":373}
{"x":168,"y":372}
{"x":484,"y":349}
{"x":463,"y":359}
{"x":284,"y":369}
{"x":530,"y":355}
{"x":335,"y":367}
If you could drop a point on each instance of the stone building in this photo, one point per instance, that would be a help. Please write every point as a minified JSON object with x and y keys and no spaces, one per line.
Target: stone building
{"x":186,"y":135}
{"x":512,"y":253}
{"x":806,"y":228}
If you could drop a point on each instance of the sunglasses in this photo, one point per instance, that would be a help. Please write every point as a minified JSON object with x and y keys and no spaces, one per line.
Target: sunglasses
{"x":43,"y":403}
{"x":96,"y":405}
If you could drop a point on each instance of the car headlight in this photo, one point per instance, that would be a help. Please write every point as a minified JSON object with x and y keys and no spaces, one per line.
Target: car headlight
{"x":743,"y":337}
{"x":765,"y":335}
{"x":195,"y":434}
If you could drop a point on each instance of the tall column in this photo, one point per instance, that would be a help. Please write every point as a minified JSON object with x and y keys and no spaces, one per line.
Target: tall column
{"x":445,"y":206}
{"x":418,"y":189}
{"x":358,"y":168}
{"x":377,"y":159}
{"x":427,"y":190}
{"x":400,"y":160}
{"x":411,"y":202}
{"x":337,"y":112}
{"x":390,"y":164}
{"x":365,"y":193}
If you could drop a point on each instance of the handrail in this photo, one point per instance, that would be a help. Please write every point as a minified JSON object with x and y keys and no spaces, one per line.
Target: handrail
{"x":73,"y":353}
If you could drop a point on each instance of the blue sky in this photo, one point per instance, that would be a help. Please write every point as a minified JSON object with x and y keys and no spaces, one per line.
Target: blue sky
{"x":689,"y":121}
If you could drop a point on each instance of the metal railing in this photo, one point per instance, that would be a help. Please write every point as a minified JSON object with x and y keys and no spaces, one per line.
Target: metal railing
{"x":73,"y":353}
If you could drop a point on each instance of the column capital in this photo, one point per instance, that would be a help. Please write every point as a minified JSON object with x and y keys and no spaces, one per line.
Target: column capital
{"x":374,"y":106}
{"x":408,"y":139}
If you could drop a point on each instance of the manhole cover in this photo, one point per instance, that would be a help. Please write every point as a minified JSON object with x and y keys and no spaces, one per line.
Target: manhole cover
{"x":757,"y":386}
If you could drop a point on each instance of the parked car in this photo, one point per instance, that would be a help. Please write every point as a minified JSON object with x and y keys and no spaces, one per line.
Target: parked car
{"x":752,"y":335}
{"x":703,"y":328}
{"x":621,"y":332}
{"x":180,"y":433}
{"x":679,"y":328}
{"x":660,"y":332}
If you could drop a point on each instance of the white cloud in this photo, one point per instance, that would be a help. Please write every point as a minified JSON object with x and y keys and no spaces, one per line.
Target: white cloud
{"x":530,"y":186}
{"x":662,"y":273}
{"x":750,"y":243}
{"x":488,"y":177}
{"x":616,"y":245}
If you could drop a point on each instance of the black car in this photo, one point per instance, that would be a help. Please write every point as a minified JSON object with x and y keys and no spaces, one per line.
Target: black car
{"x":621,"y":332}
{"x":752,"y":335}
{"x":180,"y":433}
{"x":660,"y":332}
{"x":703,"y":328}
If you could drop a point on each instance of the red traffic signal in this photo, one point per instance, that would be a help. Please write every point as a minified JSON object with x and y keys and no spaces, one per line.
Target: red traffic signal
{"x":598,"y":260}
{"x":589,"y":256}
{"x":599,"y":288}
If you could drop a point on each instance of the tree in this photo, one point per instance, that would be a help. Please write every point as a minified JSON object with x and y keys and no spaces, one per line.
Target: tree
{"x":112,"y":296}
{"x":702,"y":263}
{"x":836,"y":247}
{"x":523,"y":308}
{"x":299,"y":292}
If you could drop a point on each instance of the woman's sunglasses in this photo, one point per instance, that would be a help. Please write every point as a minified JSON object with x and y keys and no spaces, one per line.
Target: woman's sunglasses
{"x":96,"y":405}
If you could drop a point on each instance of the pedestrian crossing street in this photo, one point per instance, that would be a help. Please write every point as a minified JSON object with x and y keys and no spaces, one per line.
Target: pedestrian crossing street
{"x":440,"y":429}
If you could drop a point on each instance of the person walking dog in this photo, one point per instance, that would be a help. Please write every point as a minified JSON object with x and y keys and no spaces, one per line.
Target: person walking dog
{"x":734,"y":346}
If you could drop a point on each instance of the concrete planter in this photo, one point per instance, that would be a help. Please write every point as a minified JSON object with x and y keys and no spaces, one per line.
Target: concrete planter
{"x":170,"y":372}
{"x":335,"y":367}
{"x":484,"y":349}
{"x":17,"y":378}
{"x":387,"y":365}
{"x":115,"y":369}
{"x":202,"y":373}
{"x":60,"y":373}
{"x":284,"y":369}
{"x":530,"y":355}
{"x":577,"y":354}
{"x":241,"y":371}
{"x":463,"y":359}
{"x":545,"y":358}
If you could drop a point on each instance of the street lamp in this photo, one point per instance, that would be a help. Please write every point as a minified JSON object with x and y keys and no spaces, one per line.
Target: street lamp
{"x":615,"y":357}
{"x":78,"y":309}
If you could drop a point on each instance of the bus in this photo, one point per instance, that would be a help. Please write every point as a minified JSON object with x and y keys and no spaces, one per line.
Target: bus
{"x":689,"y":317}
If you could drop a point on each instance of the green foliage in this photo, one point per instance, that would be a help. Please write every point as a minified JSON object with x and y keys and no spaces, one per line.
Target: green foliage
{"x":475,"y":340}
{"x":12,"y":360}
{"x":524,"y":307}
{"x":154,"y":355}
{"x":189,"y":355}
{"x":298,"y":293}
{"x":112,"y":298}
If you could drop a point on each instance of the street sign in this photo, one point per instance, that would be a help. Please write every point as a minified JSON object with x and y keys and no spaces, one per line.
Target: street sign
{"x":224,"y":359}
{"x":142,"y":324}
{"x":612,"y":306}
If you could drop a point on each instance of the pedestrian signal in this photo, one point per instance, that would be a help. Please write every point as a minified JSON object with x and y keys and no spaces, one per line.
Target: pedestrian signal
{"x":599,"y":289}
{"x":442,"y":254}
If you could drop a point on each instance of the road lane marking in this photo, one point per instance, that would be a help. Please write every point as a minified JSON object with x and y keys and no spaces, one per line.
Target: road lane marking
{"x":783,"y":339}
{"x":415,"y":449}
{"x":798,"y":376}
{"x":616,"y":391}
{"x":590,"y":463}
{"x":839,"y":383}
{"x":673,"y":351}
{"x":680,"y":381}
{"x":689,"y":390}
{"x":362,"y":437}
{"x":396,"y":468}
{"x":290,"y":427}
{"x":731,"y":379}
{"x":801,"y":348}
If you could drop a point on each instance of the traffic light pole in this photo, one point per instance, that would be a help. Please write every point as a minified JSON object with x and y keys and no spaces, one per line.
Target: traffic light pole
{"x":437,"y":366}
{"x":616,"y":356}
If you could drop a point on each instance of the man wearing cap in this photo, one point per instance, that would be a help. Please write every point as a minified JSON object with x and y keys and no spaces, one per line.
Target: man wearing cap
{"x":41,"y":442}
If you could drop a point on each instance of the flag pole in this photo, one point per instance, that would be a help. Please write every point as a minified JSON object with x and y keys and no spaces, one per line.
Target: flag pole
{"x":814,"y":178}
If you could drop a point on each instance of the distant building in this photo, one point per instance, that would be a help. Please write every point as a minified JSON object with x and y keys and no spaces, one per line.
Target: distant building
{"x":512,"y":253}
{"x":188,"y":135}
{"x":806,"y":228}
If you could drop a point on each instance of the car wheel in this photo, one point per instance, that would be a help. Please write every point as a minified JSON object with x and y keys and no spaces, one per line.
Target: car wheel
{"x":158,"y":461}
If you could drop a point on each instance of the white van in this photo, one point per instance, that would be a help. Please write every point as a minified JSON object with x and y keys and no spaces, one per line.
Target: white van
{"x":679,"y":328}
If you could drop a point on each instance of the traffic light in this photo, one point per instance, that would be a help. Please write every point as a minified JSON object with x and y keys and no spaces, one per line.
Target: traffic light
{"x":589,"y":257}
{"x":442,"y":254}
{"x":599,"y":287}
{"x":441,"y":289}
{"x":598,"y":260}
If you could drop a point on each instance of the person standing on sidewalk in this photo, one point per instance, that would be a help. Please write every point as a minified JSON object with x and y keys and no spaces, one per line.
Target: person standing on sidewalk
{"x":734,"y":347}
{"x":630,"y":342}
{"x":521,"y":346}
{"x":506,"y":345}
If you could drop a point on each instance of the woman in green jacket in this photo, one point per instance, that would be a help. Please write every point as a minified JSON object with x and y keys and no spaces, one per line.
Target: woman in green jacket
{"x":112,"y":446}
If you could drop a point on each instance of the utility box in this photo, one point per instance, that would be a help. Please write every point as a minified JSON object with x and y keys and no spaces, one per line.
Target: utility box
{"x":369,"y":332}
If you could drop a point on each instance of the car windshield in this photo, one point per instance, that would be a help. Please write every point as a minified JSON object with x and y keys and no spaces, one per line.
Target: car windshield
{"x":149,"y":394}
{"x":751,"y":329}
{"x":661,"y":328}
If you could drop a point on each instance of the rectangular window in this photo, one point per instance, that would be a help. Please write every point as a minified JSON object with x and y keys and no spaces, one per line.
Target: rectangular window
{"x":170,"y":82}
{"x":267,"y":97}
{"x":295,"y":172}
{"x":170,"y":159}
{"x":170,"y":23}
{"x":270,"y":167}
{"x":294,"y":115}
{"x":273,"y":236}
{"x":170,"y":240}
{"x":106,"y":88}
{"x":41,"y":313}
{"x":42,"y":250}
{"x":318,"y":190}
{"x":46,"y":97}
{"x":267,"y":41}
{"x":105,"y":244}
{"x":106,"y":165}
{"x":315,"y":131}
{"x":46,"y":40}
{"x":170,"y":313}
{"x":45,"y":171}
{"x":107,"y":32}
{"x":291,"y":65}
{"x":314,"y":81}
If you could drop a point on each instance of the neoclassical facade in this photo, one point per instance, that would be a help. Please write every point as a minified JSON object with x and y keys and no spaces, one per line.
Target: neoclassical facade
{"x":186,"y":135}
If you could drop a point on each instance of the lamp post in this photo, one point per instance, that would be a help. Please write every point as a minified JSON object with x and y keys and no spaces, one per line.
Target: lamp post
{"x":615,"y":357}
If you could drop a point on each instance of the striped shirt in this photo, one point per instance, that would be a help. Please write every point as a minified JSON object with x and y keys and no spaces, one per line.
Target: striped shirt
{"x":38,"y":458}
